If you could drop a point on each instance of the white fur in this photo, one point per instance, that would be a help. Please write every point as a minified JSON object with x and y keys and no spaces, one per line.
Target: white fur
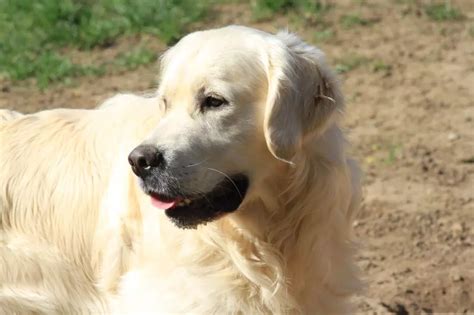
{"x":66,"y":190}
{"x":6,"y":114}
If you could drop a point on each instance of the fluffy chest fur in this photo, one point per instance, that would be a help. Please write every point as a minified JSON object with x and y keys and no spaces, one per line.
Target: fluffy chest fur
{"x":287,"y":251}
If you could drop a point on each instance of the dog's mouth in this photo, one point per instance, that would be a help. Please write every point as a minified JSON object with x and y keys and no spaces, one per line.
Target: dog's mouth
{"x":188,"y":211}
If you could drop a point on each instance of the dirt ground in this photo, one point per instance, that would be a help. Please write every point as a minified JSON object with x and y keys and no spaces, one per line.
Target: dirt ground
{"x":410,"y":119}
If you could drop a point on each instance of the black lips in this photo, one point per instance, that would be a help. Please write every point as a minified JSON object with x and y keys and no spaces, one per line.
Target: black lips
{"x":226,"y":197}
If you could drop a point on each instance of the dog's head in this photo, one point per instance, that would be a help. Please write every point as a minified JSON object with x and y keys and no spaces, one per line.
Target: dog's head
{"x":236,"y":103}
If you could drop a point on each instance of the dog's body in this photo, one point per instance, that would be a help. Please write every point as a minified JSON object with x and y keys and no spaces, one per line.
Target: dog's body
{"x":49,"y":215}
{"x":78,"y":233}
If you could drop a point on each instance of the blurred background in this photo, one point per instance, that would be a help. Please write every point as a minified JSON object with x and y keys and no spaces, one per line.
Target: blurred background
{"x":407,"y":68}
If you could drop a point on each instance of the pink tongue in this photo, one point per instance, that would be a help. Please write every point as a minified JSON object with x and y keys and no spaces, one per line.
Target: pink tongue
{"x":163,"y":204}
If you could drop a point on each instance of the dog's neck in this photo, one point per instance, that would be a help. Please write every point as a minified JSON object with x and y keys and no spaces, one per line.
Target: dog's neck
{"x":283,"y":240}
{"x":297,"y":214}
{"x":266,"y":230}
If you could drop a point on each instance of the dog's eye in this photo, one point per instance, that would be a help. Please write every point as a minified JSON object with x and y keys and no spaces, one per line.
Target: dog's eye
{"x":212,"y":101}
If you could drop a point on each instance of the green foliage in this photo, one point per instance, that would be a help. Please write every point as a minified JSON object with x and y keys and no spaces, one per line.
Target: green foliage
{"x":392,"y":154}
{"x":31,"y":32}
{"x":442,"y":12}
{"x":51,"y":67}
{"x":351,"y":20}
{"x":350,"y":63}
{"x":135,"y":58}
{"x":324,"y":35}
{"x":263,"y":9}
{"x":381,"y":66}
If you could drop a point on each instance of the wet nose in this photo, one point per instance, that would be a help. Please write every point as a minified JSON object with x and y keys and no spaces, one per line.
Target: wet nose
{"x":144,"y":158}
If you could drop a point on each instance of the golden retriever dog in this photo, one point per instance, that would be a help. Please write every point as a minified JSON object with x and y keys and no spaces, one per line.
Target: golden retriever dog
{"x":228,"y":191}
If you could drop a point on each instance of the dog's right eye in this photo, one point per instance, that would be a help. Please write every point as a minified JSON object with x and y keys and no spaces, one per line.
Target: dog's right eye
{"x":212,"y":102}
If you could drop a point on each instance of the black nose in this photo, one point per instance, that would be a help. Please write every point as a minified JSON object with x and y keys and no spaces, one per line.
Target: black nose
{"x":144,"y":158}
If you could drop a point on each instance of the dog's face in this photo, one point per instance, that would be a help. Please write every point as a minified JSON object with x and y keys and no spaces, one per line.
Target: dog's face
{"x":226,"y":117}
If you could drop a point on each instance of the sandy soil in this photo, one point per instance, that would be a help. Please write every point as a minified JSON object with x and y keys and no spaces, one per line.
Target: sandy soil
{"x":410,"y":118}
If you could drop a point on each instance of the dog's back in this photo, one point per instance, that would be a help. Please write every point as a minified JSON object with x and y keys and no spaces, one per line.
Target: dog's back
{"x":6,"y":115}
{"x":55,"y":167}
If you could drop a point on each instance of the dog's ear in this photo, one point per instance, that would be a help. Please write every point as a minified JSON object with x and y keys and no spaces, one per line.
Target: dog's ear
{"x":303,"y":95}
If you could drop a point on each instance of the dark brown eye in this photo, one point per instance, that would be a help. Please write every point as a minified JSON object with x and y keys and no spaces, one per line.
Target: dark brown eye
{"x":212,"y":101}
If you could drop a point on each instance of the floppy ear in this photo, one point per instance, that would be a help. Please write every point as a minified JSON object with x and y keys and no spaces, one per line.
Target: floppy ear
{"x":303,"y":95}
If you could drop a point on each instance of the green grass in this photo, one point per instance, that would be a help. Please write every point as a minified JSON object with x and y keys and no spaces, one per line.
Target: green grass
{"x":34,"y":34}
{"x":351,"y":20}
{"x":265,"y":9}
{"x":352,"y":62}
{"x":51,"y":67}
{"x":135,"y":58}
{"x":392,"y":154}
{"x":324,"y":35}
{"x":382,"y":67}
{"x":349,"y":63}
{"x":443,"y":12}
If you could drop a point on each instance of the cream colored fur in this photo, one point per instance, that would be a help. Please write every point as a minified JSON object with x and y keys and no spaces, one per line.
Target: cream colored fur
{"x":56,"y":166}
{"x":78,"y":234}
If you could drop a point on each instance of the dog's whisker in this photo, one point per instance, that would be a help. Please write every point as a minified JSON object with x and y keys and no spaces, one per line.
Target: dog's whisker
{"x":202,"y":194}
{"x":228,"y":177}
{"x":198,"y":163}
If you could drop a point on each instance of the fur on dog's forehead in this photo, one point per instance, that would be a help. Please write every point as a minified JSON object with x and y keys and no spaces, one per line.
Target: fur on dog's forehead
{"x":214,"y":57}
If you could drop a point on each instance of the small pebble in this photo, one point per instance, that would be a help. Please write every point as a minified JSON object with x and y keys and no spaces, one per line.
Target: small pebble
{"x":453,"y":136}
{"x":457,"y":227}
